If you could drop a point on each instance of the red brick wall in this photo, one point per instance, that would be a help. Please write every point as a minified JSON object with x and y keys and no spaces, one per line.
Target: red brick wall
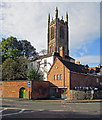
{"x":59,"y":68}
{"x":11,"y":89}
{"x":40,"y":89}
{"x":82,"y":80}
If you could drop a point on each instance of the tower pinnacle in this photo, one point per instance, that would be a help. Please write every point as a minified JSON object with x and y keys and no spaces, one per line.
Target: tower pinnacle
{"x":56,"y":12}
{"x":49,"y":18}
{"x":66,"y":16}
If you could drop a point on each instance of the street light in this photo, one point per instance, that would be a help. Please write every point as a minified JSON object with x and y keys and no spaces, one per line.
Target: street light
{"x":29,"y":79}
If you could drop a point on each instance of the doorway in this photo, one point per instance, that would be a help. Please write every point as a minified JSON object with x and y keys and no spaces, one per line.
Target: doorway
{"x":22,"y":93}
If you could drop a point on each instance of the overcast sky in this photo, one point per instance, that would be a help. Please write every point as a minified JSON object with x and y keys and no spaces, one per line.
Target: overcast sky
{"x":28,"y":20}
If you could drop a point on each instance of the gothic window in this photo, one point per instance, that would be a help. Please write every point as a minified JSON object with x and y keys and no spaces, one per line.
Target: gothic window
{"x":52,"y":33}
{"x":50,"y":49}
{"x":61,"y":32}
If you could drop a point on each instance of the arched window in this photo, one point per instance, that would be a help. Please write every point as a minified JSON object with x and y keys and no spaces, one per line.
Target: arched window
{"x":61,"y":32}
{"x":52,"y":33}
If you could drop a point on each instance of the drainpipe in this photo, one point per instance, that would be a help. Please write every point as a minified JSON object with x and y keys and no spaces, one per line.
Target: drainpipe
{"x":64,"y":76}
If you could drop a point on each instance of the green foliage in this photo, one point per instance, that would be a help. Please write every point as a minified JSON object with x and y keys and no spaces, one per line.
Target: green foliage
{"x":33,"y":74}
{"x":21,"y":71}
{"x":27,"y":48}
{"x":12,"y":48}
{"x":14,"y":69}
{"x":8,"y":69}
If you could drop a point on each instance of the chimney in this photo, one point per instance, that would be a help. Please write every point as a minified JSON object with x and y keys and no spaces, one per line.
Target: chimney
{"x":78,"y":63}
{"x":99,"y":66}
{"x":62,"y":53}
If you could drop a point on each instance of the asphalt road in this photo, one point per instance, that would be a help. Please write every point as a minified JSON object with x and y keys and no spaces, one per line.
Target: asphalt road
{"x":48,"y":109}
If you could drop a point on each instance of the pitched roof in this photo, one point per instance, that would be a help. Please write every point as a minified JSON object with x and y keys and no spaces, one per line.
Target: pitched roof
{"x":72,"y":66}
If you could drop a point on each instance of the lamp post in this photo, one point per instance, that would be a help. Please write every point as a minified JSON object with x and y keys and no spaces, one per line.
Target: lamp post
{"x":29,"y":79}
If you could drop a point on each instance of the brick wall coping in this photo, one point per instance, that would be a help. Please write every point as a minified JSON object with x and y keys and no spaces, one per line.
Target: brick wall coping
{"x":14,"y":80}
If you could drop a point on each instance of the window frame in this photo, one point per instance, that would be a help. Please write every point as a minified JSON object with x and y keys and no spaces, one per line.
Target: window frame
{"x":60,"y":76}
{"x":54,"y":77}
{"x":57,"y":76}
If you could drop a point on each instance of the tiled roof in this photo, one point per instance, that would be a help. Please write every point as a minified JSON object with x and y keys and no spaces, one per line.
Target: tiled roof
{"x":72,"y":66}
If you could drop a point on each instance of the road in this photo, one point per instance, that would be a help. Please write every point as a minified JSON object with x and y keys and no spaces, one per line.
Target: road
{"x":19,"y":108}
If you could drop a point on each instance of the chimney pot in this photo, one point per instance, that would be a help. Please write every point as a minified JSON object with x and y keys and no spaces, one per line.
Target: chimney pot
{"x":78,"y":62}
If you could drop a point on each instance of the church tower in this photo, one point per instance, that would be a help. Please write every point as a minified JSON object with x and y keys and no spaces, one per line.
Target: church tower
{"x":58,"y":34}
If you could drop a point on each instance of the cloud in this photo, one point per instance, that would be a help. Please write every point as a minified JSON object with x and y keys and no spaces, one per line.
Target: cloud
{"x":28,"y":20}
{"x":89,"y":59}
{"x":52,"y":1}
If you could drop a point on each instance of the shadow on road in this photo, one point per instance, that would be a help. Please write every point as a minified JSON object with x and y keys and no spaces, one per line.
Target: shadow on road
{"x":44,"y":115}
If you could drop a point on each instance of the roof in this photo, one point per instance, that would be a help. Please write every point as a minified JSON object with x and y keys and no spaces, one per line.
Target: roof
{"x":68,"y":57}
{"x":72,"y":66}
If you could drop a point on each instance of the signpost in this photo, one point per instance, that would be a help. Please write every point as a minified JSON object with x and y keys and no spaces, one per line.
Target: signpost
{"x":29,"y":83}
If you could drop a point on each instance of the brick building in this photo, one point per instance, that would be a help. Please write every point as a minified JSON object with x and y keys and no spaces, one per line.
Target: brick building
{"x":65,"y":76}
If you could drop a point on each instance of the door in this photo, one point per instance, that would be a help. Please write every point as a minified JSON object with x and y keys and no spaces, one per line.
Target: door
{"x":22,"y":93}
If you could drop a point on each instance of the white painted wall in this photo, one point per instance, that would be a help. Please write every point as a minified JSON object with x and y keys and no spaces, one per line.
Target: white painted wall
{"x":43,"y":68}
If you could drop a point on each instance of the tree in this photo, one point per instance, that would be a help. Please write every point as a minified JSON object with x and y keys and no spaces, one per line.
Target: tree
{"x":34,"y":74}
{"x":14,"y":69}
{"x":27,"y":48}
{"x":21,"y":69}
{"x":8,"y":69}
{"x":12,"y":48}
{"x":43,"y":51}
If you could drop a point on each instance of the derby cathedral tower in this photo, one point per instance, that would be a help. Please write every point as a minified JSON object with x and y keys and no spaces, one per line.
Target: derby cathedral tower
{"x":58,"y":34}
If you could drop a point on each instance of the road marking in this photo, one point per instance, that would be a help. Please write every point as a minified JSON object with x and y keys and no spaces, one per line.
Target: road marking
{"x":13,"y":113}
{"x":56,"y":110}
{"x":40,"y":110}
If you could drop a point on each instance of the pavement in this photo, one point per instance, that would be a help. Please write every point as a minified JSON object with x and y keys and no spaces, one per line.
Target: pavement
{"x":24,"y":108}
{"x":64,"y":100}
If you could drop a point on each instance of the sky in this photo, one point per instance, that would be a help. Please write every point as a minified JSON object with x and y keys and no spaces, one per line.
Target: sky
{"x":28,"y":20}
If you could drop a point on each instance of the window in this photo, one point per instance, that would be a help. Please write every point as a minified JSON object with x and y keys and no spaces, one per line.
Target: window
{"x":54,"y":77}
{"x":61,"y":32}
{"x":52,"y":33}
{"x":57,"y":77}
{"x":97,"y":80}
{"x":61,"y":76}
{"x":45,"y":63}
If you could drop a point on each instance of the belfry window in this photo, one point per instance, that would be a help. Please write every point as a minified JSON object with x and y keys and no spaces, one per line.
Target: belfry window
{"x":52,"y":33}
{"x":61,"y":32}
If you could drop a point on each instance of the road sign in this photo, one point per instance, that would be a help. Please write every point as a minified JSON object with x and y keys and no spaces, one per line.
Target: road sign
{"x":29,"y":83}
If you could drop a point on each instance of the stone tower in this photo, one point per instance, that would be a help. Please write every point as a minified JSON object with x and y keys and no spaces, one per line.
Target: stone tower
{"x":58,"y":34}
